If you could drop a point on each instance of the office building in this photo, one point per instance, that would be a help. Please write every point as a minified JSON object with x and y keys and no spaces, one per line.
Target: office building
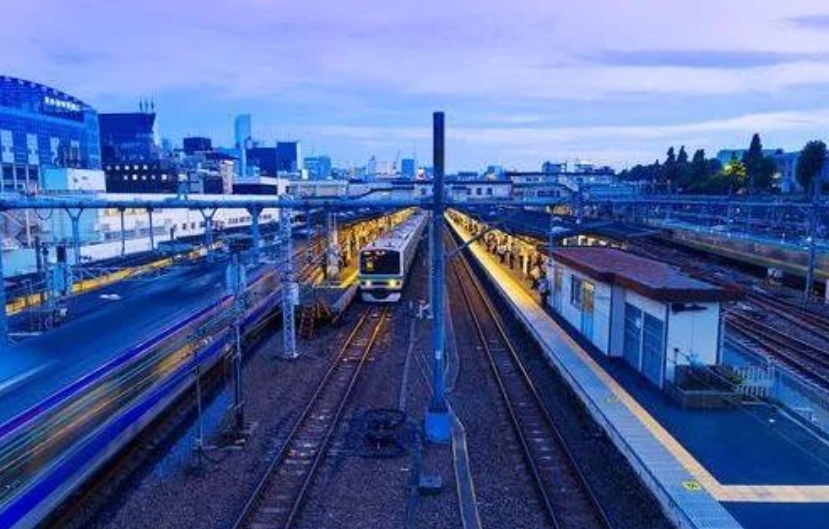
{"x":265,"y":158}
{"x":129,"y":136}
{"x":288,"y":158}
{"x":243,"y":130}
{"x":41,"y":127}
{"x":148,"y":176}
{"x":194,"y":144}
{"x":408,"y":168}
{"x":318,"y":167}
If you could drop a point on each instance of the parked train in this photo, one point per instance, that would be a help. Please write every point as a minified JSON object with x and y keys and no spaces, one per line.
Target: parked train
{"x":385,"y":262}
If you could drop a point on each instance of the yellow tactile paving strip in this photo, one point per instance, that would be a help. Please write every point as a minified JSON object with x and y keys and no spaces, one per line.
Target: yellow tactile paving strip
{"x":721,"y":492}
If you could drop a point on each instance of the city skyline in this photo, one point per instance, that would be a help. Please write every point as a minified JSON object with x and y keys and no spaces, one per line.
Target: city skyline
{"x":521,"y":83}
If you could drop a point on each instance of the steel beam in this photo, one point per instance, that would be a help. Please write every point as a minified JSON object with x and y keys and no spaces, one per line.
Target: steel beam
{"x":814,"y":220}
{"x":123,"y":235}
{"x":332,"y":253}
{"x":76,"y":234}
{"x":255,"y":232}
{"x":152,"y":229}
{"x":208,"y":232}
{"x":9,"y":202}
{"x":4,"y":318}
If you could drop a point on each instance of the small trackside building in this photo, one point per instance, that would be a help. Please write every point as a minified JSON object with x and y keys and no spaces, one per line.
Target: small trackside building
{"x":635,"y":308}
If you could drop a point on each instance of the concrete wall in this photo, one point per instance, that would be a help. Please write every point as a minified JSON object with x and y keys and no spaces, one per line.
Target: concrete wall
{"x":601,"y":309}
{"x":695,"y":334}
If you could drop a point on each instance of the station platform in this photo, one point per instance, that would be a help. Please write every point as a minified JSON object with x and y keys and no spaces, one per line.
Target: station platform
{"x":749,"y":467}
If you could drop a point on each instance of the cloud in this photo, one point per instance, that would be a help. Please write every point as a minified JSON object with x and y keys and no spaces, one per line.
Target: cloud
{"x":705,"y":59}
{"x":536,"y":76}
{"x":815,"y":22}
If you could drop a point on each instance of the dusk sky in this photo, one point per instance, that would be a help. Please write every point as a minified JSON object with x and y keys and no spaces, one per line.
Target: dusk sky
{"x":521,"y":81}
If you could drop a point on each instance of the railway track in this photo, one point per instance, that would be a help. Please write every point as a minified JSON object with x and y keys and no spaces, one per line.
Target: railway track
{"x":810,"y":361}
{"x":277,"y":499}
{"x":565,"y":493}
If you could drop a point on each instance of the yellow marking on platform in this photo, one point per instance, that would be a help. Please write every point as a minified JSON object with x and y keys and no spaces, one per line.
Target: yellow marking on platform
{"x":704,"y":479}
{"x":22,"y":303}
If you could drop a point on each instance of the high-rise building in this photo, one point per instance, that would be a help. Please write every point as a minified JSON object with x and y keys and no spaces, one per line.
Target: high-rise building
{"x":194,"y":144}
{"x":288,"y":158}
{"x":408,"y":168}
{"x":265,"y":158}
{"x":319,"y":167}
{"x":129,"y":136}
{"x":243,"y":130}
{"x":40,"y":128}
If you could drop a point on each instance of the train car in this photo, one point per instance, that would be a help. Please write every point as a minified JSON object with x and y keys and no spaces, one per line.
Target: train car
{"x":385,"y":262}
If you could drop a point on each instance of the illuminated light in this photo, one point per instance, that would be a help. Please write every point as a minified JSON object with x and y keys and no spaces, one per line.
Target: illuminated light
{"x":367,"y":283}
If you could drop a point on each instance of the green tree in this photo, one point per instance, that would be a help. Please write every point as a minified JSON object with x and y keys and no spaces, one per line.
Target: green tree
{"x":810,"y":164}
{"x":684,"y":173}
{"x":699,"y":169}
{"x":735,"y":173}
{"x":669,"y":169}
{"x":759,"y":168}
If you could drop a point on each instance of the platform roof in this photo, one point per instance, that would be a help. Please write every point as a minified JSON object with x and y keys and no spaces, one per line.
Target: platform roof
{"x":653,"y":279}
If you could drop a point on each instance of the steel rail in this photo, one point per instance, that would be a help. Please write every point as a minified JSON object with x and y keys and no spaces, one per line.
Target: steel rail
{"x":573,"y":506}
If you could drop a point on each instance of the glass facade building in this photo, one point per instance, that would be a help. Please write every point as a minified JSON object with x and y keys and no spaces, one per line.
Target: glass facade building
{"x":41,"y":127}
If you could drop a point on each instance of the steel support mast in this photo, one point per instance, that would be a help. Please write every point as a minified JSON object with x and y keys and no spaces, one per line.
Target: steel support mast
{"x":4,"y":319}
{"x":438,"y":426}
{"x":289,"y":286}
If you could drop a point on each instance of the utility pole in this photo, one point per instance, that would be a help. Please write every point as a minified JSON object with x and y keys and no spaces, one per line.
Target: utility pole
{"x":255,"y":233}
{"x":75,"y":217}
{"x":289,"y":285}
{"x":236,"y":282}
{"x":152,"y":229}
{"x":123,"y":234}
{"x":438,"y":426}
{"x":4,"y":318}
{"x":814,"y":220}
{"x":332,"y":269}
{"x":208,"y":232}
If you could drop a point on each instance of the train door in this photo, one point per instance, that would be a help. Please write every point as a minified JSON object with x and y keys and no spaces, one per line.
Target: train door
{"x":558,"y":275}
{"x":633,"y":336}
{"x":653,"y":348}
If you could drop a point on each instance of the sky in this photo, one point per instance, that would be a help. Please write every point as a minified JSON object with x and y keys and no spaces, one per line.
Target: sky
{"x":521,"y":82}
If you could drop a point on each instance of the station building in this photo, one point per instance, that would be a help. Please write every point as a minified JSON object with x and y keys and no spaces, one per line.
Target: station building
{"x":638,"y":309}
{"x":41,"y":127}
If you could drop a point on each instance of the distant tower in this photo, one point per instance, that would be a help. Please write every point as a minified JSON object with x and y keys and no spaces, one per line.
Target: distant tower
{"x":243,"y":133}
{"x":243,"y":130}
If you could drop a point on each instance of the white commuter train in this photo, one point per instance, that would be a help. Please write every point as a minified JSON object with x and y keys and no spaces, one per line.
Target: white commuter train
{"x":385,"y":262}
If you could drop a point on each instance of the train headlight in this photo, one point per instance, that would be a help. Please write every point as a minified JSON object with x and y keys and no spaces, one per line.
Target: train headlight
{"x":367,"y":283}
{"x":394,"y":283}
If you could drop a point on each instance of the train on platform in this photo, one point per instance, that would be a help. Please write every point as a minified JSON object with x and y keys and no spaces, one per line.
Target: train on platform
{"x":385,"y":262}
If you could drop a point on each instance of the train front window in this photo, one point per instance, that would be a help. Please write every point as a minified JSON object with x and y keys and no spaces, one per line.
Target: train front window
{"x":380,"y":262}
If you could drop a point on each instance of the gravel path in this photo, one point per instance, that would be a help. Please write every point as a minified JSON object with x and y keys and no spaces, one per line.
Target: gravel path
{"x":170,"y":491}
{"x":359,"y":487}
{"x":506,"y":493}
